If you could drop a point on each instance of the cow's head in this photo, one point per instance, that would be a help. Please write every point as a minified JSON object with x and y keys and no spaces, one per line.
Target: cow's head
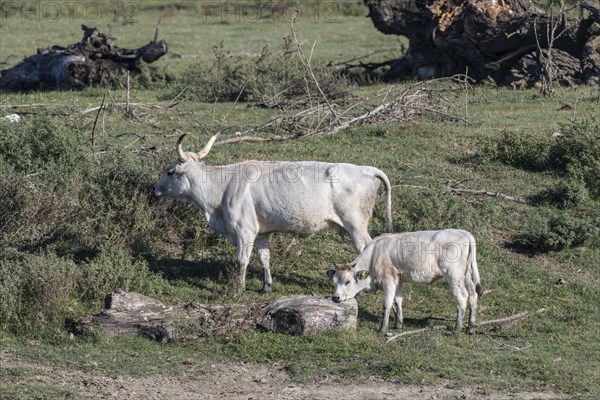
{"x":176,"y":183}
{"x":348,"y":281}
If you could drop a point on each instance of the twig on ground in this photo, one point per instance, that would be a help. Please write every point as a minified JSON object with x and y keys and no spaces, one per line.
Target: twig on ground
{"x":451,"y":188}
{"x":416,"y":331}
{"x":500,"y":322}
{"x":412,"y":186}
{"x":511,"y":319}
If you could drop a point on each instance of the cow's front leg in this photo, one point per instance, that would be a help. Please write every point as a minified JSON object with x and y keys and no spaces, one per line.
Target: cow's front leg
{"x":244,"y":251}
{"x":264,"y":255}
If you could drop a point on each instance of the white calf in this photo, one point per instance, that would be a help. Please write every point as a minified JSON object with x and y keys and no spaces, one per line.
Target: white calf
{"x":414,"y":257}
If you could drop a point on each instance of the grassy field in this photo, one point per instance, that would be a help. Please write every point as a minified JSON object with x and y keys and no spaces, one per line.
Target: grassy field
{"x":79,"y":221}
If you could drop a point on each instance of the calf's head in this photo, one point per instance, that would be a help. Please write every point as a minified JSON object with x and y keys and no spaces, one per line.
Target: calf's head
{"x":348,"y":281}
{"x":176,"y":182}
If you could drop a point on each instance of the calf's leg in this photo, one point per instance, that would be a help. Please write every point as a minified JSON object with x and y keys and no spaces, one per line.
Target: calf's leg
{"x":398,"y":301}
{"x":389,"y":293}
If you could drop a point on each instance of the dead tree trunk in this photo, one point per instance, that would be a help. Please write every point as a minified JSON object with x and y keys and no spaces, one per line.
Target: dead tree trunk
{"x":94,"y":61}
{"x":132,"y":314}
{"x":506,"y":40}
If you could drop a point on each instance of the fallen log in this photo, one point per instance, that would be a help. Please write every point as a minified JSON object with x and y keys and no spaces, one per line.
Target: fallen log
{"x":513,"y":42}
{"x":133,"y":314}
{"x":94,"y":61}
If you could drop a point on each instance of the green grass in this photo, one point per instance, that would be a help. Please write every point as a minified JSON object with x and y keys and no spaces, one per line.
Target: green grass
{"x":119,"y":235}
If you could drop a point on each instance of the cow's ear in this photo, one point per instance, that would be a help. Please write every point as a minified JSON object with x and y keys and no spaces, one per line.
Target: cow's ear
{"x":331,"y":273}
{"x":364,"y":274}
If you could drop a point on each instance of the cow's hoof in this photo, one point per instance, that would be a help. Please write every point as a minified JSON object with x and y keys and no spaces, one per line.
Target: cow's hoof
{"x":266,"y":289}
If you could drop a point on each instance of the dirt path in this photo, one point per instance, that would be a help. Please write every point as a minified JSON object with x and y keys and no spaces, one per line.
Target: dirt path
{"x":238,"y":381}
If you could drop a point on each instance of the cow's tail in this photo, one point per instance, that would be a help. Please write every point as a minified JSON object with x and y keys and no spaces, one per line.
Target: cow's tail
{"x":388,"y":190}
{"x":472,"y":260}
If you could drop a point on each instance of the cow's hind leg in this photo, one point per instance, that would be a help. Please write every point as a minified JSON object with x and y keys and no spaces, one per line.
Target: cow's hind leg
{"x":460,"y":296}
{"x":264,"y":255}
{"x":473,"y":298}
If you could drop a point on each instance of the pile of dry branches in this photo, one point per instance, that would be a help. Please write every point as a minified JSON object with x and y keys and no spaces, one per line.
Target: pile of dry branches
{"x":391,"y":104}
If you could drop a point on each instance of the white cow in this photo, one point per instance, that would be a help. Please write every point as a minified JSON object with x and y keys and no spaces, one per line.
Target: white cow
{"x":248,"y":201}
{"x":391,"y":260}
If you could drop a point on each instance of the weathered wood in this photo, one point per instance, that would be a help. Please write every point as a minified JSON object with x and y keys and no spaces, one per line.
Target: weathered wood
{"x":95,"y":60}
{"x":133,"y":314}
{"x":498,"y":39}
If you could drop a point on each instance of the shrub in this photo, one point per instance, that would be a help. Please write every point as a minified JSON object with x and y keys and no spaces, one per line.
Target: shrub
{"x":267,"y":78}
{"x":559,"y":233}
{"x":433,"y":210}
{"x":35,"y":291}
{"x":520,"y":150}
{"x":112,"y":270}
{"x":153,"y":77}
{"x":43,"y":146}
{"x":33,"y":210}
{"x":44,"y":161}
{"x":565,"y":194}
{"x":576,"y":152}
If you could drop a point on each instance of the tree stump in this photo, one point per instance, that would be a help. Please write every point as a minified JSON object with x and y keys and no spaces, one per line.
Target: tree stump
{"x":95,"y":60}
{"x":512,"y":42}
{"x":133,"y":314}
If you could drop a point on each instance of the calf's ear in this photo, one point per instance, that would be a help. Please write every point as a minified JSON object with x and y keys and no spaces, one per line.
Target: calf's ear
{"x":362,"y":274}
{"x":331,"y":273}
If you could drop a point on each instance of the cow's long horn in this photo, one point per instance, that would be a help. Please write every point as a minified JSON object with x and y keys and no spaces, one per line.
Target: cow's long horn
{"x":204,"y":152}
{"x":182,"y":156}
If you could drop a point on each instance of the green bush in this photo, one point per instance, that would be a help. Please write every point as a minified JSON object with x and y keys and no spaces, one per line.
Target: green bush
{"x":44,"y":162}
{"x":576,"y":153}
{"x":520,"y":150}
{"x":43,"y":146}
{"x":267,"y":78}
{"x":33,"y":210}
{"x":565,"y":194}
{"x":35,"y":291}
{"x":433,"y":210}
{"x":153,"y":77}
{"x":558,"y":233}
{"x":116,"y":269}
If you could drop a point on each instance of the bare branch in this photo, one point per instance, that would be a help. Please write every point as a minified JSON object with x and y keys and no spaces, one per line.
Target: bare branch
{"x":458,"y":191}
{"x":251,"y":139}
{"x":500,"y":322}
{"x":96,"y":121}
{"x":511,"y":319}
